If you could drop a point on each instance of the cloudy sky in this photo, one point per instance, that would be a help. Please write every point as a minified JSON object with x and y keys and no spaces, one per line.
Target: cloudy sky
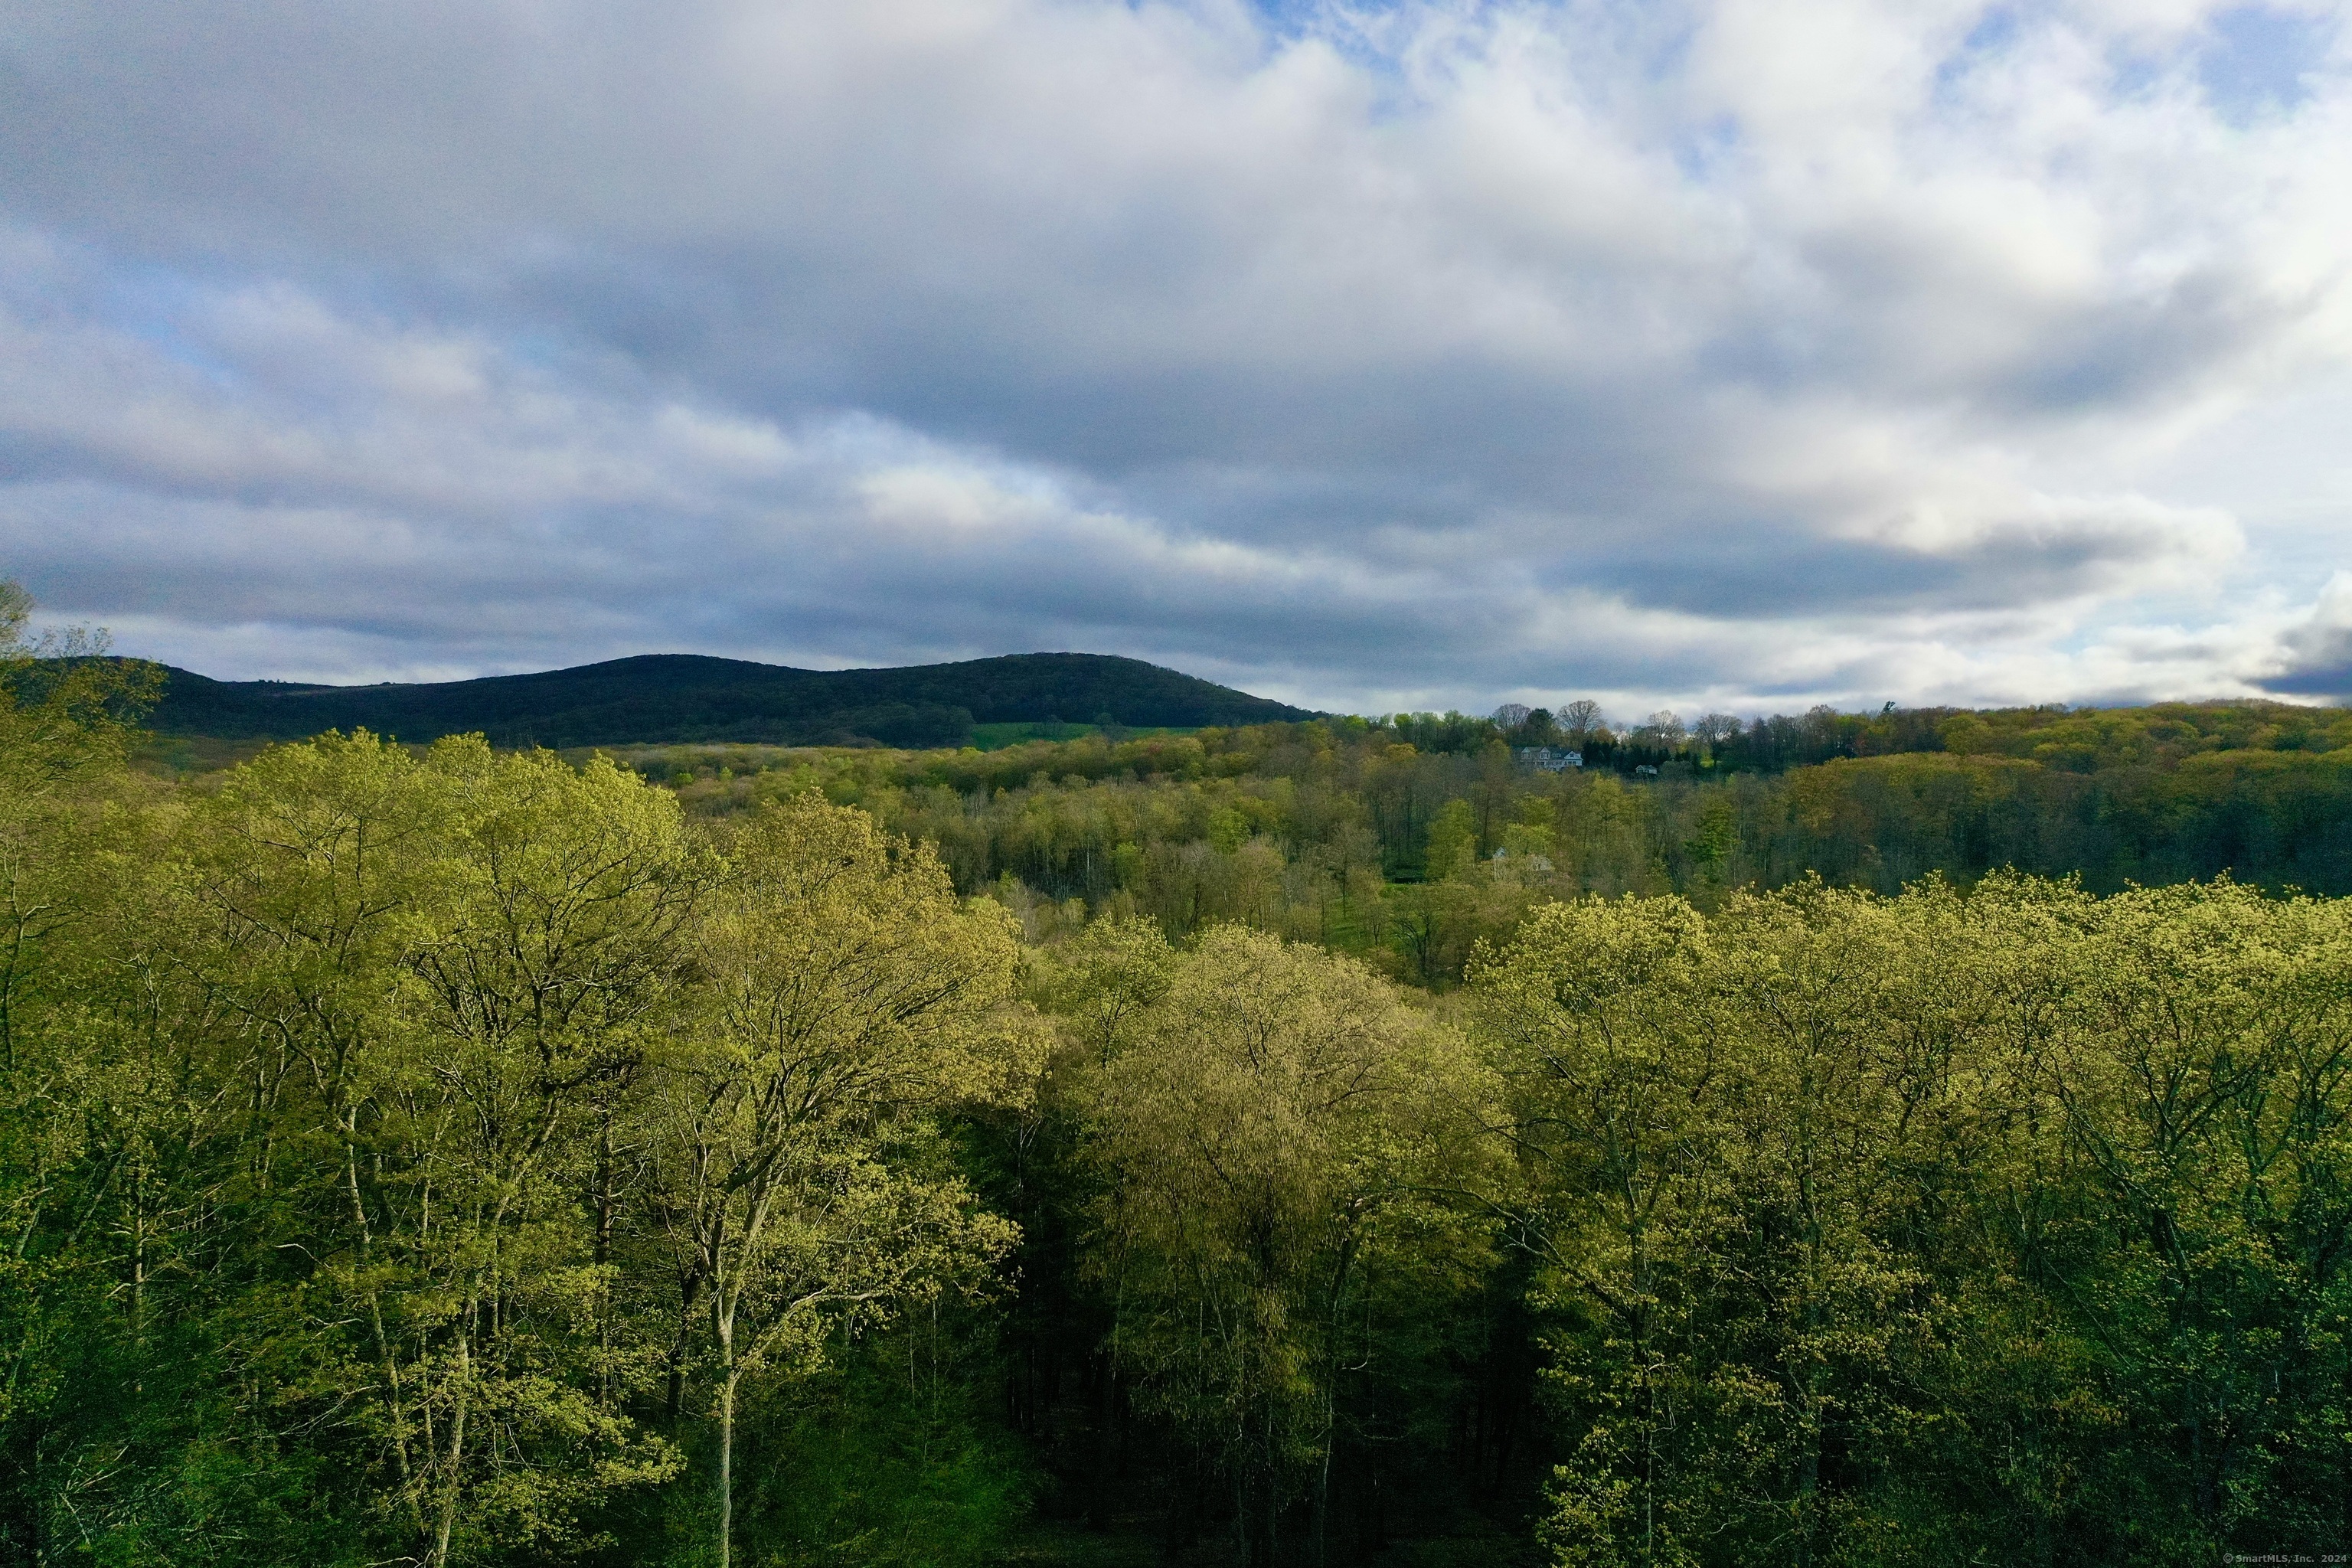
{"x":1737,"y":355}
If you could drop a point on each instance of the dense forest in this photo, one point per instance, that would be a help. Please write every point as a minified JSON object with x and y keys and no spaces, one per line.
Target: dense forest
{"x":1407,"y":841}
{"x":1316,"y":1144}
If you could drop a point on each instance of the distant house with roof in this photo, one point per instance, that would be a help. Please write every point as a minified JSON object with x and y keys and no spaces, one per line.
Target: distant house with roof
{"x":1546,"y":759}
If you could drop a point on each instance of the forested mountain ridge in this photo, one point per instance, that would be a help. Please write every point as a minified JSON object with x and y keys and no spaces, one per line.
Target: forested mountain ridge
{"x":688,"y":697}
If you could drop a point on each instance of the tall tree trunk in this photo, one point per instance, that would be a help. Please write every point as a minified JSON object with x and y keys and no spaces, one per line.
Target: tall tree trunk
{"x":139,"y":1277}
{"x":1106,"y":1392}
{"x":393,"y":1407}
{"x":726,"y":1470}
{"x":446,"y":1522}
{"x":689,"y":1292}
{"x":723,"y":1322}
{"x":1241,"y":1481}
{"x":604,"y":1214}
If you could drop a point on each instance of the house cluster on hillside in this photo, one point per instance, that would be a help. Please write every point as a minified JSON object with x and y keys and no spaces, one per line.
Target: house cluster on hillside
{"x":1546,"y":759}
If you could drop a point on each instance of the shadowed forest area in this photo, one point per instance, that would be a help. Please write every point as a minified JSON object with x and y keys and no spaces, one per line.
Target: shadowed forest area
{"x":1316,"y":1144}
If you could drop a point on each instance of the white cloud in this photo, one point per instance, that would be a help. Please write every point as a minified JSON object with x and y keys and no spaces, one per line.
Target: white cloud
{"x":1744,"y":352}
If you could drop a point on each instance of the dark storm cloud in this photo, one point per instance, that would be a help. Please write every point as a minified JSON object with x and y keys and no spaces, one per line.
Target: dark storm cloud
{"x":2327,"y":676}
{"x":1422,"y":356}
{"x":2314,"y":658}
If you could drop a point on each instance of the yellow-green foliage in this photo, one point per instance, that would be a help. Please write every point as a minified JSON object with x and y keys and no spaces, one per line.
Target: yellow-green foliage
{"x":408,"y":1151}
{"x":1331,"y":832}
{"x":846,"y":993}
{"x":1276,"y":1139}
{"x":1938,"y":1228}
{"x":2162,"y":734}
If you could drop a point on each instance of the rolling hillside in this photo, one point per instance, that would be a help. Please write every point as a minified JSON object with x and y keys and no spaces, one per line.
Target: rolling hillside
{"x":686,"y":697}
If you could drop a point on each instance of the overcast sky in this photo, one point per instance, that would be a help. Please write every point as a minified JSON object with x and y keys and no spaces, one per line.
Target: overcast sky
{"x":1743,"y":355}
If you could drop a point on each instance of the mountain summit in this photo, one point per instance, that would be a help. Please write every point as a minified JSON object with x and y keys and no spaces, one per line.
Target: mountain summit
{"x":688,"y":697}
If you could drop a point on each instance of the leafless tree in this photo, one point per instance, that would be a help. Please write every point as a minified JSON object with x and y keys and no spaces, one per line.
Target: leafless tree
{"x":1716,"y":728}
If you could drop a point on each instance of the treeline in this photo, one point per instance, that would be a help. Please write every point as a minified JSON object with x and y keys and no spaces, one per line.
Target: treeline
{"x":2079,"y":739}
{"x":1343,"y":834}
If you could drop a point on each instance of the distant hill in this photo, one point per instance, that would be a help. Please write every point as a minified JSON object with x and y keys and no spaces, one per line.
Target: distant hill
{"x":686,"y":696}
